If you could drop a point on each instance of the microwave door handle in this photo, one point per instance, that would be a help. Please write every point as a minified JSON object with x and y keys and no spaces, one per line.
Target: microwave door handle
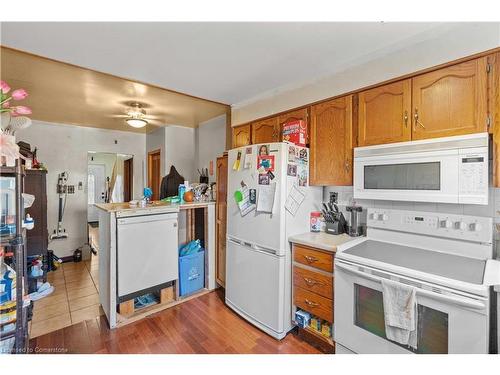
{"x":465,"y":302}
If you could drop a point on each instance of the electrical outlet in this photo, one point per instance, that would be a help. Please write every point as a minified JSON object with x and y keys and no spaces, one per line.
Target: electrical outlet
{"x":334,"y":197}
{"x":71,"y":189}
{"x":80,"y":185}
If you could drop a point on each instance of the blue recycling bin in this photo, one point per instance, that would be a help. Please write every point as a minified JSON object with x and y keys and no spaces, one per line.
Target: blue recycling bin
{"x":191,"y":273}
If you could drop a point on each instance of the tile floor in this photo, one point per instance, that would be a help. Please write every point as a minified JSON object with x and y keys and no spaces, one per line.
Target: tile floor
{"x":75,"y":298}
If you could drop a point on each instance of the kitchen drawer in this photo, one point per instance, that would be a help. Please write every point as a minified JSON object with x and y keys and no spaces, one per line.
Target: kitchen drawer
{"x":313,"y":282}
{"x":313,"y":258}
{"x":313,"y":303}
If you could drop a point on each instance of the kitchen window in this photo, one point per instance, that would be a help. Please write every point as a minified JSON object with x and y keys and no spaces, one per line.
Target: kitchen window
{"x":432,"y":324}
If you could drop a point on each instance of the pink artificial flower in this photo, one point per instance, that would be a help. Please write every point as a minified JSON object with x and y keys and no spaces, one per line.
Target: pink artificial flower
{"x":19,"y":94}
{"x":21,"y":110}
{"x":4,"y":87}
{"x":6,"y":105}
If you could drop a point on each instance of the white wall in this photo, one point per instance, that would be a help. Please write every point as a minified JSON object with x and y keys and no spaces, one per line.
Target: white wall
{"x":446,"y":43}
{"x":64,"y":148}
{"x":180,"y":151}
{"x":211,"y":143}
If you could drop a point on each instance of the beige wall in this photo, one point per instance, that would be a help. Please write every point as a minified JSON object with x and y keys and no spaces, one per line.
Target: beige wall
{"x":445,"y":44}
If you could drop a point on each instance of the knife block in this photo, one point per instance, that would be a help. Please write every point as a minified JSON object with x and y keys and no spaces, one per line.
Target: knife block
{"x":334,"y":227}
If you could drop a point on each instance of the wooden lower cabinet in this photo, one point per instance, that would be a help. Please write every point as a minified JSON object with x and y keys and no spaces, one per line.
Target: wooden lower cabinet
{"x":241,"y":135}
{"x":313,"y":291}
{"x":220,"y":220}
{"x":331,"y":142}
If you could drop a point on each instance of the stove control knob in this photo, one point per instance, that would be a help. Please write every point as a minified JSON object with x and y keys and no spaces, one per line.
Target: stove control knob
{"x":446,"y":224}
{"x":474,"y":227}
{"x":373,"y":216}
{"x":383,"y":217}
{"x":460,"y":225}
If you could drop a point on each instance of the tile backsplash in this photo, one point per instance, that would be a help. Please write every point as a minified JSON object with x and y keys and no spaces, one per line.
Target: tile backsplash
{"x":345,"y":198}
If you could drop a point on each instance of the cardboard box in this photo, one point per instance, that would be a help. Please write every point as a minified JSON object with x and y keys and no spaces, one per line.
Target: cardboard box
{"x":295,"y":132}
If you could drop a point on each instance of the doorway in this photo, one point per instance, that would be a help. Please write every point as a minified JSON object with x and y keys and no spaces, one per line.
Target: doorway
{"x":96,"y":190}
{"x":154,"y":173}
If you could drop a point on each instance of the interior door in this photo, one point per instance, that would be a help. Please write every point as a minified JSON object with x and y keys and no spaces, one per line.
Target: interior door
{"x":96,"y":190}
{"x":450,"y":101}
{"x":384,"y":114}
{"x":154,"y":173}
{"x":331,"y":142}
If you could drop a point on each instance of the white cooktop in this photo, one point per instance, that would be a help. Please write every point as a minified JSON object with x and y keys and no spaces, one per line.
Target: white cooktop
{"x":450,"y":266}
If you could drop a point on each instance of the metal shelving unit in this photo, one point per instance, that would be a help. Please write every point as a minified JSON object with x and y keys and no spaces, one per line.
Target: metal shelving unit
{"x":17,"y":244}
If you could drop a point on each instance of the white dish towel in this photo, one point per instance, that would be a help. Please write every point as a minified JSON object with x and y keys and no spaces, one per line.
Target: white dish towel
{"x":400,"y":312}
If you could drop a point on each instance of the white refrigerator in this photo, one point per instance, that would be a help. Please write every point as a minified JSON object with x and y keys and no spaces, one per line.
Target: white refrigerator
{"x":258,"y":255}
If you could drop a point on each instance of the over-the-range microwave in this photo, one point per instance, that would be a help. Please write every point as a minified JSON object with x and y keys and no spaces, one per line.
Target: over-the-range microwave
{"x":445,"y":170}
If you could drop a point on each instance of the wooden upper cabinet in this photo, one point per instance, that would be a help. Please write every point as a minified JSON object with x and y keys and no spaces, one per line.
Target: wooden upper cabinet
{"x":298,"y":114}
{"x":331,"y":142}
{"x":384,"y":114}
{"x":450,"y":101}
{"x":241,"y":135}
{"x":265,"y":131}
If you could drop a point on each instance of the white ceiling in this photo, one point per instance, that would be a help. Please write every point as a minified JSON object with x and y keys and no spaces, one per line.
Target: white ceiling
{"x":226,"y":62}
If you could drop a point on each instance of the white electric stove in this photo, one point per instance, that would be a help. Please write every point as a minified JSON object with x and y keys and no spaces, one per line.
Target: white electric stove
{"x":447,"y":258}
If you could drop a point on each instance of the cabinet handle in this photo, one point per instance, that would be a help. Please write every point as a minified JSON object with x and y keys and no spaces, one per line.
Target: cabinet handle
{"x":417,"y":121}
{"x":347,"y":166}
{"x":405,"y":118}
{"x":310,"y":259}
{"x":310,"y":303}
{"x":312,"y":282}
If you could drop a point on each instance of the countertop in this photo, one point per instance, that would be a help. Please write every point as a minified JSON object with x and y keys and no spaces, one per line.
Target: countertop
{"x":321,"y":240}
{"x":125,"y":206}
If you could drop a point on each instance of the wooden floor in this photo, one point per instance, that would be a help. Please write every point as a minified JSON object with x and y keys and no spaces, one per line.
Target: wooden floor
{"x":201,"y":325}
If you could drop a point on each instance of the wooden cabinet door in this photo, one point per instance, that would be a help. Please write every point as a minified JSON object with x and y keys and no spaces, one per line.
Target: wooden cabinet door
{"x":221,"y":210}
{"x":265,"y":131}
{"x":331,"y":142}
{"x":450,"y":101}
{"x":299,"y":114}
{"x":384,"y":114}
{"x":241,"y":135}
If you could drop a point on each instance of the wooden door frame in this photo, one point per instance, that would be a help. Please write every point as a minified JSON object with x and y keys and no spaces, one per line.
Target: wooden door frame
{"x":150,"y":167}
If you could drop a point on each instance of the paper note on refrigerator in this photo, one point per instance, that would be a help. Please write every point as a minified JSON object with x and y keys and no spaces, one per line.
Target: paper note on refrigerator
{"x":244,"y":204}
{"x":265,"y":198}
{"x":294,"y":200}
{"x":247,"y":161}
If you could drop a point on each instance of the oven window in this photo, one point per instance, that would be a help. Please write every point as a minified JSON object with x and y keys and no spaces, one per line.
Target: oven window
{"x":432,"y":324}
{"x":415,"y":176}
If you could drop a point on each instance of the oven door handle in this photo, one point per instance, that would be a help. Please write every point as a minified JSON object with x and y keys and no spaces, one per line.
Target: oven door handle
{"x":465,"y":302}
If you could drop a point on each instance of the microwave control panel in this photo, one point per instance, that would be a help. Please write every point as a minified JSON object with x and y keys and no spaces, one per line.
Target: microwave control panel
{"x":472,"y":228}
{"x":473,"y":177}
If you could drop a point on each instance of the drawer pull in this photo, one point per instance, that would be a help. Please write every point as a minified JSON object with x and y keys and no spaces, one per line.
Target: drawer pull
{"x":312,"y":282}
{"x":310,"y":303}
{"x":310,"y":259}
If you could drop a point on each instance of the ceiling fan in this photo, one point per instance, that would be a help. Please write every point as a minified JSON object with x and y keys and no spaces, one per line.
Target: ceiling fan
{"x":135,"y":115}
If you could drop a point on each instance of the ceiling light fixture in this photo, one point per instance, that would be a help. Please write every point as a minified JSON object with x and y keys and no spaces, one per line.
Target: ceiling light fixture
{"x":136,"y":116}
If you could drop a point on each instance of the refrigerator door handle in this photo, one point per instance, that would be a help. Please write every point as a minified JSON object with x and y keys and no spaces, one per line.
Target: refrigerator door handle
{"x":264,"y":249}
